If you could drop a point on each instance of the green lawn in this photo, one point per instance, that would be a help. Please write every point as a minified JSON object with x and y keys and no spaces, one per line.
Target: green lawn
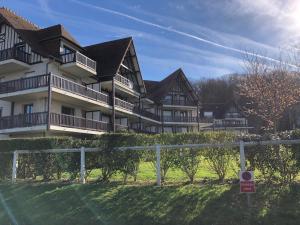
{"x":147,"y":173}
{"x":64,"y":204}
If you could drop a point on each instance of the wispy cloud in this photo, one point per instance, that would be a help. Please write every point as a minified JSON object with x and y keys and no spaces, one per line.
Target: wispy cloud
{"x":166,"y":65}
{"x":44,"y":5}
{"x":176,"y":31}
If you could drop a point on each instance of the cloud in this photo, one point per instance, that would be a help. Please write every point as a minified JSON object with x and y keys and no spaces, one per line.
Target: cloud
{"x":194,"y":71}
{"x":44,"y":5}
{"x":176,"y":31}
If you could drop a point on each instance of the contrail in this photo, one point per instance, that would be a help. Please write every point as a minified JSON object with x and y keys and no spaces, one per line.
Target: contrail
{"x":170,"y":29}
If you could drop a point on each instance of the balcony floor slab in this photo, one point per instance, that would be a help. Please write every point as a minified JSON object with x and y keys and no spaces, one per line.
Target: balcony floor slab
{"x":12,"y":65}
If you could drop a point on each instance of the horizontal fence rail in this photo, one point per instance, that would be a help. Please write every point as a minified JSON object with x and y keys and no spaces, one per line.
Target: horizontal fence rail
{"x":157,"y":148}
{"x":153,"y":147}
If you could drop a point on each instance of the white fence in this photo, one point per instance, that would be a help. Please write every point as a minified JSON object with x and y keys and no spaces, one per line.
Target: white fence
{"x":157,"y":148}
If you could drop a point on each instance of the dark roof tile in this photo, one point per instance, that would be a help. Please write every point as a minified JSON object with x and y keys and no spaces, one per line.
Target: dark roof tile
{"x":56,"y":31}
{"x":156,"y":90}
{"x":109,"y":56}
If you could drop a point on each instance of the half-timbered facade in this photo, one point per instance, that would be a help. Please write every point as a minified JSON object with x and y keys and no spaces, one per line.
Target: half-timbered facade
{"x":51,"y":85}
{"x":176,"y":102}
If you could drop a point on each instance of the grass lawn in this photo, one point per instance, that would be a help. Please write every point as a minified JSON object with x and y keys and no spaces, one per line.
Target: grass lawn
{"x":147,"y":173}
{"x":116,"y":204}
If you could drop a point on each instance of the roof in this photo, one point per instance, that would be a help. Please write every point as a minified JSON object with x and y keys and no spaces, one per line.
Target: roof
{"x":156,"y":90}
{"x":151,"y":85}
{"x":56,"y":31}
{"x":109,"y":56}
{"x":16,"y":21}
{"x":31,"y":33}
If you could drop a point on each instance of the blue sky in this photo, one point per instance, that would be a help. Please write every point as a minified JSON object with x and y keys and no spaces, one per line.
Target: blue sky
{"x":207,"y":38}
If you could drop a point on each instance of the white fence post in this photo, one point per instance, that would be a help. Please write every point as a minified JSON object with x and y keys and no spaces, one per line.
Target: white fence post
{"x":243,"y":167}
{"x":158,"y":175}
{"x":242,"y":156}
{"x":15,"y":167}
{"x":82,"y":165}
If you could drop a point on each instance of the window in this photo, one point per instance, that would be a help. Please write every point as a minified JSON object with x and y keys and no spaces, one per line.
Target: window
{"x":168,"y":130}
{"x":66,"y":50}
{"x":208,"y":114}
{"x":167,"y":113}
{"x":182,"y":130}
{"x":28,"y":108}
{"x":106,"y":118}
{"x":20,"y":47}
{"x":168,"y":99}
{"x":67,"y":111}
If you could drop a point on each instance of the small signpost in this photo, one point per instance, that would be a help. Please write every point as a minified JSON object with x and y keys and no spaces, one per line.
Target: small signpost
{"x":247,"y":184}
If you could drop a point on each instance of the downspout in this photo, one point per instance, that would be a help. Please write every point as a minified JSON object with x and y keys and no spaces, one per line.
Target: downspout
{"x":140,"y":118}
{"x":49,"y":93}
{"x":113,"y":106}
{"x":162,"y":119}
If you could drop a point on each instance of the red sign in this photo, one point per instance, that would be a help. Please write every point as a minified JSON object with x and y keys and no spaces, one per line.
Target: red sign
{"x":247,"y":187}
{"x":247,"y":184}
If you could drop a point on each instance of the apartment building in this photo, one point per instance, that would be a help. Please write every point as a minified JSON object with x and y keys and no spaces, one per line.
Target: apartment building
{"x":51,"y":85}
{"x":177,"y":103}
{"x":224,"y":116}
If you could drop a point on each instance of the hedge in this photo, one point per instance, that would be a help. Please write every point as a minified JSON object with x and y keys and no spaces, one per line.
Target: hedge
{"x":279,"y":163}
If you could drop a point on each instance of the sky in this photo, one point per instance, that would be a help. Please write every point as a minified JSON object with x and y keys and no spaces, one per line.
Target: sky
{"x":206,"y":38}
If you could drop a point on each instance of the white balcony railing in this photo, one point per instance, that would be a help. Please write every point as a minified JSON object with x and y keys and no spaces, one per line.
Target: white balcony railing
{"x":128,"y":83}
{"x":78,"y":58}
{"x":73,"y":87}
{"x":123,"y":104}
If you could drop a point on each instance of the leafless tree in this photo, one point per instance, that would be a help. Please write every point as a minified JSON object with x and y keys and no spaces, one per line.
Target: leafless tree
{"x":269,"y":88}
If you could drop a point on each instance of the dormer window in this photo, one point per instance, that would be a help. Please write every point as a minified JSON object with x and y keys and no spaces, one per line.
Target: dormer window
{"x":66,"y":50}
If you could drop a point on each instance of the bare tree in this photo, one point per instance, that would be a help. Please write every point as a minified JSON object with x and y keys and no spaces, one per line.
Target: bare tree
{"x":269,"y":88}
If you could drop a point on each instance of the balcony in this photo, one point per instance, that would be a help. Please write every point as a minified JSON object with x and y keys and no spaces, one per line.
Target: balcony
{"x":174,"y":102}
{"x":12,"y":60}
{"x":23,"y":121}
{"x":17,"y":87}
{"x":206,"y":120}
{"x":230,"y":123}
{"x":146,"y":114}
{"x":124,"y":81}
{"x":20,"y":86}
{"x":78,"y":64}
{"x":124,"y":105}
{"x":180,"y":119}
{"x":34,"y":121}
{"x":121,"y":128}
{"x":62,"y":120}
{"x":126,"y":85}
{"x":75,"y":88}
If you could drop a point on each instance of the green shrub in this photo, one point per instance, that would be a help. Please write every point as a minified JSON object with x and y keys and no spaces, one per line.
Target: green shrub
{"x":189,"y":162}
{"x":276,"y":164}
{"x":5,"y":166}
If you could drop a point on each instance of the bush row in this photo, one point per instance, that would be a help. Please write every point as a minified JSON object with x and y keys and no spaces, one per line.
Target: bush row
{"x":275,"y":163}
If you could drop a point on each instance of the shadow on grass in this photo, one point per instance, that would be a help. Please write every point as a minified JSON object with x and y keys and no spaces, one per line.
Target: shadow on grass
{"x":112,"y":204}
